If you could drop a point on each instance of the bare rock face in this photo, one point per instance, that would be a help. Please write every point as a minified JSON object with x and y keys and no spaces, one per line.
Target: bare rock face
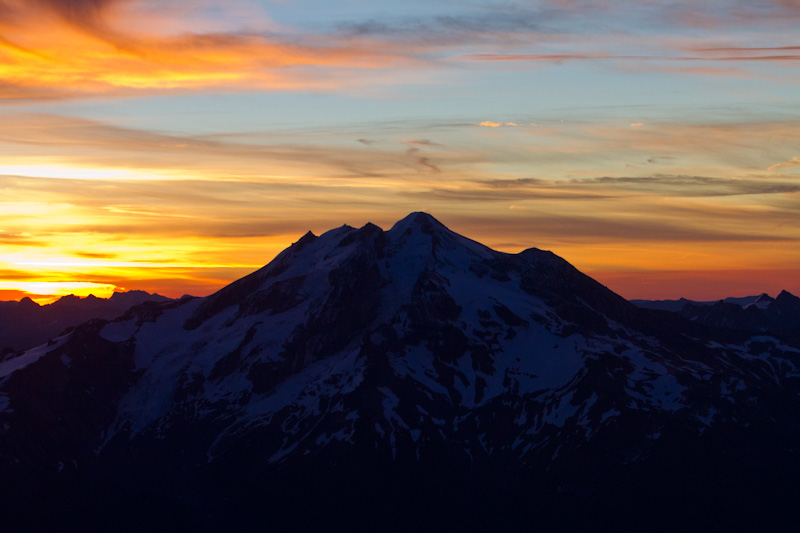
{"x":387,"y":379}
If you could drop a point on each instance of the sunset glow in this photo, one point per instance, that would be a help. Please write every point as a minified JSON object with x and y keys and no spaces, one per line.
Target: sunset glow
{"x":45,"y":292}
{"x":177,"y":146}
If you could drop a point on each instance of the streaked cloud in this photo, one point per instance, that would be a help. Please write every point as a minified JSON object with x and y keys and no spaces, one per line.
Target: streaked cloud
{"x":793,"y":162}
{"x":693,"y":186}
{"x":656,"y":185}
{"x":788,"y":54}
{"x":79,"y":147}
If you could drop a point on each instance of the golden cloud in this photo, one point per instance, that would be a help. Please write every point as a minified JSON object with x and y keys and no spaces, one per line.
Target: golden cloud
{"x":52,"y":49}
{"x":793,"y":162}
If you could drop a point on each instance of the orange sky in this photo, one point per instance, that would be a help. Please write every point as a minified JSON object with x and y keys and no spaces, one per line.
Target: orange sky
{"x":176,"y":146}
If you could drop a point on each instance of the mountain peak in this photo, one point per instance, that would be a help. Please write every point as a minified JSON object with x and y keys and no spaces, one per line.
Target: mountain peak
{"x":761,"y":301}
{"x":786,"y":297}
{"x":68,"y":299}
{"x":305,"y":239}
{"x":28,"y":303}
{"x":419,"y":220}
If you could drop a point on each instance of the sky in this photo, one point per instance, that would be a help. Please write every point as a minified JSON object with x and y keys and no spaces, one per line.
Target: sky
{"x":175,"y":146}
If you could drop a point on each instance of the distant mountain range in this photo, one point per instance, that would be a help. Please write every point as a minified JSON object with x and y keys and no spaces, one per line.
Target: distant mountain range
{"x":409,"y":379}
{"x":777,"y":316}
{"x":26,"y":324}
{"x":677,"y":305}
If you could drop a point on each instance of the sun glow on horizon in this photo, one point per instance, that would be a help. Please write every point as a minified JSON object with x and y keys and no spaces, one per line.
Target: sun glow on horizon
{"x":68,"y":171}
{"x":45,"y":292}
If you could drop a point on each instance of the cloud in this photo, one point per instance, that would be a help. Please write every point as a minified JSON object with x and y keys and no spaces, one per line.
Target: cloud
{"x":75,"y":142}
{"x":603,"y":188}
{"x":68,"y":147}
{"x":424,"y":142}
{"x":450,"y":29}
{"x":84,"y":48}
{"x":793,"y":162}
{"x":564,"y":227}
{"x":731,"y":50}
{"x":484,"y":196}
{"x":484,"y":22}
{"x":720,"y":14}
{"x":75,"y":48}
{"x":425,"y":162}
{"x":692,"y":186}
{"x":96,"y":255}
{"x":78,"y":11}
{"x":422,"y":160}
{"x":582,"y":56}
{"x":18,"y":239}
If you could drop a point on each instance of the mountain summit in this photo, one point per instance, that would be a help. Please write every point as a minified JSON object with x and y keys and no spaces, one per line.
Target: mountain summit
{"x":371,"y":378}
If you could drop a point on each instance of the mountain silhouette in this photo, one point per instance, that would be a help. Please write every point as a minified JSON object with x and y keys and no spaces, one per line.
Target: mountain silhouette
{"x":26,"y":324}
{"x":409,"y":378}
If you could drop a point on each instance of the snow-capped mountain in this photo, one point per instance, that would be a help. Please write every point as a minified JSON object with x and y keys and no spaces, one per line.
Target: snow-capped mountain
{"x":371,"y":378}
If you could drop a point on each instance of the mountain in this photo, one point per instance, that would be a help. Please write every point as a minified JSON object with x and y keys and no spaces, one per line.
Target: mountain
{"x":677,"y":305}
{"x":26,"y":324}
{"x":776,"y":316}
{"x":409,"y":378}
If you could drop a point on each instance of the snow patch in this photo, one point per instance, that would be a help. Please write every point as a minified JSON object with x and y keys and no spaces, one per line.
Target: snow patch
{"x":119,"y":331}
{"x":608,"y":414}
{"x":708,"y":418}
{"x":31,"y":356}
{"x":5,"y":404}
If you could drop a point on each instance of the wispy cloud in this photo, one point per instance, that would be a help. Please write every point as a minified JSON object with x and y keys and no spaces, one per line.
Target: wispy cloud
{"x":562,"y":227}
{"x":790,"y":55}
{"x":452,"y":29}
{"x":19,"y":239}
{"x":655,"y":185}
{"x":692,"y":186}
{"x":93,"y":144}
{"x":69,"y":147}
{"x":793,"y":162}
